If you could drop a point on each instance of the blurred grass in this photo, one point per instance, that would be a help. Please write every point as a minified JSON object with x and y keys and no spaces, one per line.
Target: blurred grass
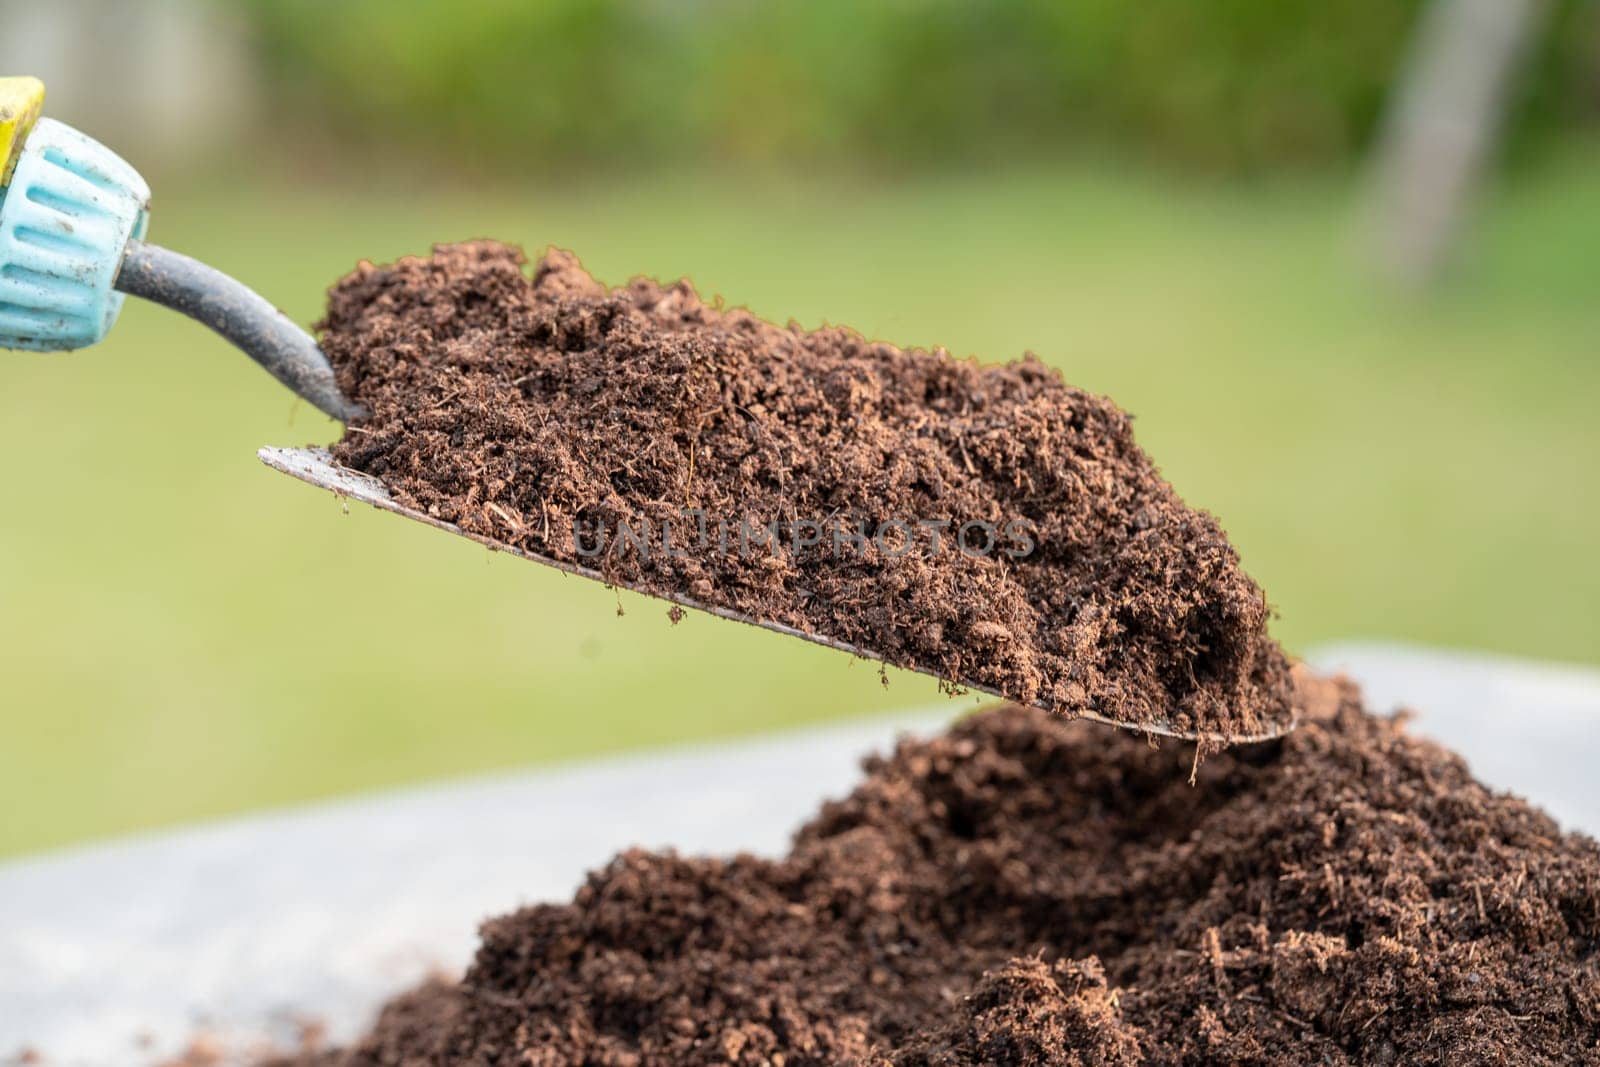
{"x":187,"y":634}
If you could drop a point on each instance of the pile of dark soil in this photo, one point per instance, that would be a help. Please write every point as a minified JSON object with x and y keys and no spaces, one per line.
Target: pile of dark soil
{"x":986,"y":524}
{"x":1029,"y":891}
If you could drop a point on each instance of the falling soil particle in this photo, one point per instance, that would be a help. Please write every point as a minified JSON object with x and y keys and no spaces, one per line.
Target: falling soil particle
{"x":1028,"y":891}
{"x":986,"y":524}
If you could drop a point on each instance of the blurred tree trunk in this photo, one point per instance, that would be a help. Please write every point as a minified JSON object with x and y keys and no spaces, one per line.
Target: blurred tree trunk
{"x":1444,"y":121}
{"x":159,"y":81}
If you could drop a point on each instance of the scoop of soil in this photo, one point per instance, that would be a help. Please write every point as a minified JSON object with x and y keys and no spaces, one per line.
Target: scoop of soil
{"x":1028,"y":891}
{"x":986,"y":524}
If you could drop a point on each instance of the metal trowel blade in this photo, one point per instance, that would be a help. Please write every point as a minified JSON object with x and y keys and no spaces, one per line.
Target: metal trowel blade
{"x":316,"y":466}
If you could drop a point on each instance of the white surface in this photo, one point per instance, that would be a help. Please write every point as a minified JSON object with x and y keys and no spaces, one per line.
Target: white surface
{"x":236,"y":928}
{"x":115,"y":953}
{"x":1530,"y":728}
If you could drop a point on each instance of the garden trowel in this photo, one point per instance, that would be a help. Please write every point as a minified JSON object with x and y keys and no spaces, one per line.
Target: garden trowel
{"x":73,"y":219}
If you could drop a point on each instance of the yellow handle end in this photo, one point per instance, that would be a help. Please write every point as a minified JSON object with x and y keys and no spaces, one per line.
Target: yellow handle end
{"x":21,"y":101}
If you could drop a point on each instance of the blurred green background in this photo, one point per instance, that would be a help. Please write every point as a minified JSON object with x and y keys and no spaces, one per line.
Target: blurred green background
{"x":1158,"y":199}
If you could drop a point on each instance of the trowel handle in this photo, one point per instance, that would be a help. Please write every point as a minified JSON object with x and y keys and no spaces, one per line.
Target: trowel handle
{"x":235,"y":311}
{"x":73,"y":216}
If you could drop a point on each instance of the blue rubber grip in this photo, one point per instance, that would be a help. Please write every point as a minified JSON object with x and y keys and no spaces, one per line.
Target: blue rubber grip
{"x":65,"y":221}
